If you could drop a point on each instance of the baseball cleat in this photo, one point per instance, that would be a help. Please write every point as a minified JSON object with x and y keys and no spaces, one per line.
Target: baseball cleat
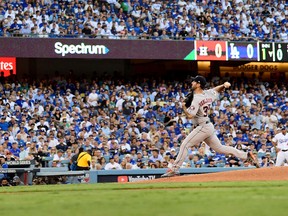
{"x":170,"y":173}
{"x":253,"y":159}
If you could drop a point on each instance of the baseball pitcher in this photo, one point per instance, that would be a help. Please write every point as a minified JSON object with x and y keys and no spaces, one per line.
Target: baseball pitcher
{"x":204,"y":131}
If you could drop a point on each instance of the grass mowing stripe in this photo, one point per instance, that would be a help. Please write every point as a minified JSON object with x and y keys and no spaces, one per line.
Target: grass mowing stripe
{"x":116,"y":186}
{"x":248,"y":198}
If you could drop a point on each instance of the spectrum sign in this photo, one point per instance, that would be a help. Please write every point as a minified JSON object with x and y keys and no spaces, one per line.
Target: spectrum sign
{"x":64,"y":49}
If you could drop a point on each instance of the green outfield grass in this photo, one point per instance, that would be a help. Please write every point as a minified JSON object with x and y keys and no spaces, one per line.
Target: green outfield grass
{"x":225,"y":199}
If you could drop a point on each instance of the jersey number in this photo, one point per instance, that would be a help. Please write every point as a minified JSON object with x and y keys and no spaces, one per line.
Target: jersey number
{"x":205,"y":110}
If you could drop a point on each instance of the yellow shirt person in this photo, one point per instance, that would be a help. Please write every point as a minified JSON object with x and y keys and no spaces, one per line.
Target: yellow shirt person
{"x":84,"y":161}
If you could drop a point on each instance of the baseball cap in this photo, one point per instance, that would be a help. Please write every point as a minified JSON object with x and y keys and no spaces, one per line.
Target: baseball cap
{"x":200,"y":79}
{"x":16,"y":178}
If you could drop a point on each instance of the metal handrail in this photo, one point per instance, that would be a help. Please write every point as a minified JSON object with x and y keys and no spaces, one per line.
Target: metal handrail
{"x":138,"y":37}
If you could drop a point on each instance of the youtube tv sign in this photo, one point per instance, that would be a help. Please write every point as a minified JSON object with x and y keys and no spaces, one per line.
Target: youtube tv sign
{"x":7,"y":65}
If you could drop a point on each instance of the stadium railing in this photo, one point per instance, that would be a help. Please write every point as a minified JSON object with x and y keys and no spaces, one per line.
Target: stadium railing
{"x":139,"y":37}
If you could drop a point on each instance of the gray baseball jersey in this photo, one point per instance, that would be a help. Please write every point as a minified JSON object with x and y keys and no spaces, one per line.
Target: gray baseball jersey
{"x":204,"y":130}
{"x":201,"y":105}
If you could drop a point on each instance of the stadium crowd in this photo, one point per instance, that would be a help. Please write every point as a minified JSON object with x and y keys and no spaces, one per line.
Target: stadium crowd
{"x":122,"y":122}
{"x":264,"y":20}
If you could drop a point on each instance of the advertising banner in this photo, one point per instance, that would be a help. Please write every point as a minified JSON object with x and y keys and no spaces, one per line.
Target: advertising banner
{"x":127,"y":178}
{"x":211,"y":50}
{"x":7,"y":66}
{"x":96,"y":48}
{"x":242,"y":51}
{"x":88,"y":48}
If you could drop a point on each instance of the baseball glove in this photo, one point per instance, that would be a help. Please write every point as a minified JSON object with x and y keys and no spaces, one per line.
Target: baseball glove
{"x":188,"y":99}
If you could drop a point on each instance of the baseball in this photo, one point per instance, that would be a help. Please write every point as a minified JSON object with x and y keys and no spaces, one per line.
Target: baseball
{"x":227,"y":84}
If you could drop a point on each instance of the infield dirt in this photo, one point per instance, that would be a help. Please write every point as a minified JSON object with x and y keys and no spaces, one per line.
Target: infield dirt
{"x":262,"y":174}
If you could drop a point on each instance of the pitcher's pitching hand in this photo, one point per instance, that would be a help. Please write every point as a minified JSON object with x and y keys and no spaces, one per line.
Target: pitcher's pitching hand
{"x":227,"y":85}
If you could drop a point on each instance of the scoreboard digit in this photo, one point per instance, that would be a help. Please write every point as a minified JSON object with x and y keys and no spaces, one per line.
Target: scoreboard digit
{"x":266,"y":52}
{"x":281,"y":52}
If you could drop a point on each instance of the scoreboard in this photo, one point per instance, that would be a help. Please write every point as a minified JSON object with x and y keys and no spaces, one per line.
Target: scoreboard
{"x":241,"y":51}
{"x":273,"y":52}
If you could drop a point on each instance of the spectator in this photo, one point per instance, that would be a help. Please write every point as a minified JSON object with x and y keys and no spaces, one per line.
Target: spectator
{"x":23,"y":155}
{"x":84,"y":160}
{"x":5,"y":183}
{"x":155,"y":156}
{"x":73,"y":161}
{"x":93,"y":98}
{"x":112,"y":165}
{"x":149,"y":18}
{"x":57,"y":158}
{"x":17,"y":181}
{"x":3,"y":163}
{"x":233,"y":161}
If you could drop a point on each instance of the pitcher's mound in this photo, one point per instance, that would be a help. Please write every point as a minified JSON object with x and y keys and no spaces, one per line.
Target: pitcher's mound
{"x":262,"y":174}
